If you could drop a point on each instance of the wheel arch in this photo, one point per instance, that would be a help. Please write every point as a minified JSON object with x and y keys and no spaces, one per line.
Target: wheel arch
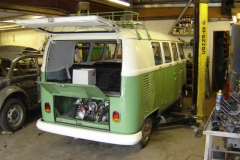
{"x":154,"y":114}
{"x":14,"y":92}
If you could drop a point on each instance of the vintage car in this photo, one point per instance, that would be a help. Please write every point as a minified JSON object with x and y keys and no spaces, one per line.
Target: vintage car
{"x":119,"y":87}
{"x":19,"y":71}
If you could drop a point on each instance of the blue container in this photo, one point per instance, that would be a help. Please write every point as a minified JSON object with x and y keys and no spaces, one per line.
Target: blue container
{"x":219,"y":100}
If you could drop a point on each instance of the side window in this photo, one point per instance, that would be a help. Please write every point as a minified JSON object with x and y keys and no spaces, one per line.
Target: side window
{"x":81,"y":52}
{"x":119,"y":51}
{"x":157,"y":53}
{"x":175,"y":52}
{"x":25,"y":66}
{"x":182,"y":56}
{"x":167,"y":52}
{"x":97,"y":51}
{"x":105,"y":50}
{"x":110,"y":50}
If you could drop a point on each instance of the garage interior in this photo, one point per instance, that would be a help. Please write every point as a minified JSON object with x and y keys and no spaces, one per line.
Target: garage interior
{"x":183,"y":141}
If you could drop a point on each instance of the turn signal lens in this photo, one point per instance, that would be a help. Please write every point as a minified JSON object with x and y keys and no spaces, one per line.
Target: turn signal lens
{"x":116,"y":116}
{"x":47,"y":108}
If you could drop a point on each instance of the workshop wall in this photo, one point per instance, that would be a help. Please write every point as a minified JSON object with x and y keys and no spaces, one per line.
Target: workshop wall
{"x":164,"y":26}
{"x":28,"y":37}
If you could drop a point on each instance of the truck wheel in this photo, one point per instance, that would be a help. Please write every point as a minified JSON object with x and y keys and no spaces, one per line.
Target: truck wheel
{"x":146,"y":132}
{"x":12,"y":115}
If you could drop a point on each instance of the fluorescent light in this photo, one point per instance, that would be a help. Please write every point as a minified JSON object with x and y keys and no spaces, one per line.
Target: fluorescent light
{"x":36,"y":17}
{"x":120,"y":2}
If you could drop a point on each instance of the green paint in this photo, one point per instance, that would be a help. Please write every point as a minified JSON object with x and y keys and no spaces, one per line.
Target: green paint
{"x":140,"y":97}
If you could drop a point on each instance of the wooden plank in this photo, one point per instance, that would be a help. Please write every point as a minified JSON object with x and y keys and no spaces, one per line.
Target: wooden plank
{"x":174,"y":12}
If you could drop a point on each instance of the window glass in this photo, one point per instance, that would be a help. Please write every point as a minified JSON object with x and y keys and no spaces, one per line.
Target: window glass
{"x":119,"y":52}
{"x":81,"y":52}
{"x":182,"y":56}
{"x":167,"y":52}
{"x":110,"y":50}
{"x":175,"y":52}
{"x":25,"y":66}
{"x":97,"y":51}
{"x":4,"y":67}
{"x":157,"y":53}
{"x":105,"y":51}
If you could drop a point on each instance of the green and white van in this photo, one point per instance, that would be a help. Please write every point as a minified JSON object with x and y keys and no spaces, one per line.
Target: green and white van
{"x":118,"y":89}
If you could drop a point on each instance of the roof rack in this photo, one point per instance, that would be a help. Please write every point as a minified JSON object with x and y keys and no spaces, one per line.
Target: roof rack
{"x":122,"y":19}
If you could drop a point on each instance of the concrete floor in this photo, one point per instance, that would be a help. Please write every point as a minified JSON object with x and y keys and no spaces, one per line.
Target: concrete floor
{"x":166,"y":143}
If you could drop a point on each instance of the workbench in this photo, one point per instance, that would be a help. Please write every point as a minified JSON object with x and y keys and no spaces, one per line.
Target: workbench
{"x":233,"y":137}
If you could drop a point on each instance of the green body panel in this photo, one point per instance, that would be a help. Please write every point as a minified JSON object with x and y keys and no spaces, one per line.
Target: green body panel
{"x":140,"y":96}
{"x":184,"y":72}
{"x":73,"y":90}
{"x":47,"y":97}
{"x":171,"y":85}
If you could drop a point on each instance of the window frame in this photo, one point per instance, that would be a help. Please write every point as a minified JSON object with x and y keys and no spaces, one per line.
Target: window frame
{"x":160,"y":53}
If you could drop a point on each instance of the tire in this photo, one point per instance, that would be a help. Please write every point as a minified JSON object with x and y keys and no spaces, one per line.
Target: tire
{"x":146,"y":132}
{"x":12,"y":116}
{"x":178,"y":106}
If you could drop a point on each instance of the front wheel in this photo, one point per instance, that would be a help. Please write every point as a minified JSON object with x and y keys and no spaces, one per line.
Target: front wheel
{"x":12,"y":115}
{"x":146,"y":132}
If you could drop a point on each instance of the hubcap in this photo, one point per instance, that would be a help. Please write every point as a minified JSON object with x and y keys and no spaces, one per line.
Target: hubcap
{"x":14,"y":115}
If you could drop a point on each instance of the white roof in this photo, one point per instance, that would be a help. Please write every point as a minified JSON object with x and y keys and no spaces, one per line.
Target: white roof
{"x":70,"y":24}
{"x":88,"y":24}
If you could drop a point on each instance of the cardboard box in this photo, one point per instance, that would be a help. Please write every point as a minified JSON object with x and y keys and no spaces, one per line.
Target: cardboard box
{"x":84,"y":76}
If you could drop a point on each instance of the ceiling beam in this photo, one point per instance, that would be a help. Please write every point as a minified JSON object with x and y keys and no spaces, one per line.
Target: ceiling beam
{"x":30,"y":9}
{"x":136,"y":2}
{"x":56,"y":7}
{"x":174,"y":12}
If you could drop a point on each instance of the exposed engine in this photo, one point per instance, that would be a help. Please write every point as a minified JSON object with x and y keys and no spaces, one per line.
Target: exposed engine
{"x":227,"y":118}
{"x":91,"y":110}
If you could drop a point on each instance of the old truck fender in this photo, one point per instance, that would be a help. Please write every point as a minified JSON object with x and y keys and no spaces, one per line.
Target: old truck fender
{"x":4,"y":93}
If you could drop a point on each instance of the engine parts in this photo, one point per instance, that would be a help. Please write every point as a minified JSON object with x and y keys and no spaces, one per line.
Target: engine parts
{"x":227,"y":116}
{"x":90,"y":110}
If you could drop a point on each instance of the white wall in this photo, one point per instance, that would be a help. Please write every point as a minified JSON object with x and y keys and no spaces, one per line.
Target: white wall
{"x":35,"y":39}
{"x":27,"y":37}
{"x":164,"y":26}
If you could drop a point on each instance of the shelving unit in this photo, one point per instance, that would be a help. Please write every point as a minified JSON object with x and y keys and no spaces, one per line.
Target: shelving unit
{"x":184,"y":27}
{"x":221,"y":49}
{"x":187,"y":46}
{"x":182,"y":31}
